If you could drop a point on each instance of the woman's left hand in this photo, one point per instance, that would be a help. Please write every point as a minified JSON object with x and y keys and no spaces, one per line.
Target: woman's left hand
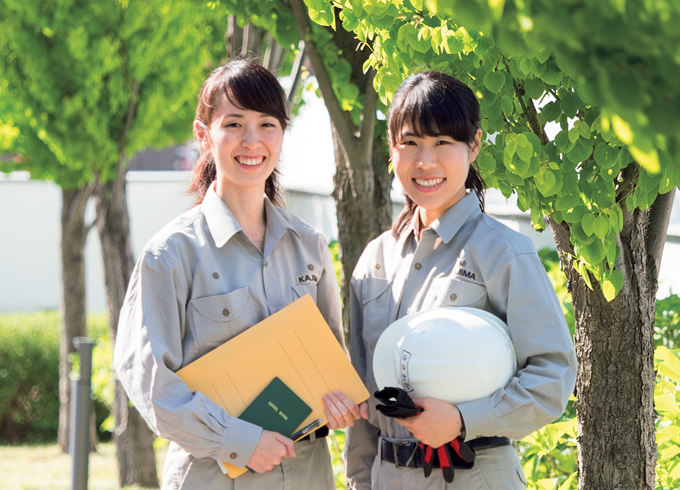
{"x":341,"y":412}
{"x":438,"y":424}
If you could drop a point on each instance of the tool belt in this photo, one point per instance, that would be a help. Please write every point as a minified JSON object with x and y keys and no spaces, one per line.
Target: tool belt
{"x":409,"y":453}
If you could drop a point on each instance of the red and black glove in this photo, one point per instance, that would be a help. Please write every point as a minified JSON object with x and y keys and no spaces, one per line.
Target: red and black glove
{"x":398,"y":404}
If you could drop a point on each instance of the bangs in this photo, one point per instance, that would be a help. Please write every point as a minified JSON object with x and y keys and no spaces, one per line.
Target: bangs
{"x":432,"y":108}
{"x":247,"y":86}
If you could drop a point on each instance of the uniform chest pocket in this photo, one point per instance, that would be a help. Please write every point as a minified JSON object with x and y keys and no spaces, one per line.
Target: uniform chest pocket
{"x":217,"y":319}
{"x":376,"y":300}
{"x":454,"y":292}
{"x":302,"y":290}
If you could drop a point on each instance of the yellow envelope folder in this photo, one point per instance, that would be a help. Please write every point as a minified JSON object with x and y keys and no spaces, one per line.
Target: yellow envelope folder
{"x":295,"y":344}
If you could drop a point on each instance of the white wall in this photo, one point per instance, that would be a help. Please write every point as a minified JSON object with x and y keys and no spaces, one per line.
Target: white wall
{"x":30,"y":264}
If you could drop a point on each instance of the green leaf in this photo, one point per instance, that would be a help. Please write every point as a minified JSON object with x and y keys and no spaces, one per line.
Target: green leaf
{"x":669,"y":363}
{"x":494,"y":81}
{"x":593,"y":253}
{"x":570,"y":104}
{"x":321,"y":12}
{"x":574,"y":134}
{"x":349,"y":20}
{"x":534,"y":88}
{"x":666,"y":403}
{"x":525,"y":150}
{"x":600,"y":226}
{"x":587,"y":224}
{"x":568,"y":201}
{"x":645,"y":154}
{"x":551,"y":111}
{"x":486,"y":163}
{"x":552,"y":74}
{"x":454,"y":45}
{"x":668,"y":178}
{"x":612,"y":284}
{"x":546,"y":182}
{"x":578,"y":235}
{"x":580,"y":151}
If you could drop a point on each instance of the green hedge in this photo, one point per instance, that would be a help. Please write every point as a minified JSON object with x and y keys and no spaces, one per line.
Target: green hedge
{"x":29,"y":375}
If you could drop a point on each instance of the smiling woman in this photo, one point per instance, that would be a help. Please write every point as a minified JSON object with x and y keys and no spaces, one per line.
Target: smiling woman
{"x":444,"y":252}
{"x":215,"y":271}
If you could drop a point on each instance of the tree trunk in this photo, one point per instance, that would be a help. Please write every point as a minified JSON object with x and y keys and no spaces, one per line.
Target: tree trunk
{"x":73,"y":237}
{"x":615,"y":347}
{"x":134,"y":440}
{"x":363,"y":208}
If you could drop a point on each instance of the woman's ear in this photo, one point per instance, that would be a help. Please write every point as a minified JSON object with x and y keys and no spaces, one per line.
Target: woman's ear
{"x":476,"y":145}
{"x":201,"y":132}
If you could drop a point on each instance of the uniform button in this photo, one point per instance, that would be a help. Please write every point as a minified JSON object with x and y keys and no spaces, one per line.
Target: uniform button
{"x":216,"y":275}
{"x":463,"y":262}
{"x":225,"y":312}
{"x":266,"y":263}
{"x":377,"y":266}
{"x":233,"y":455}
{"x":310,"y":267}
{"x":418,"y":266}
{"x":453,"y":297}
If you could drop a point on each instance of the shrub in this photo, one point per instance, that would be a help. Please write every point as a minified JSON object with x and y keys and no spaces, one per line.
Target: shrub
{"x":29,"y":376}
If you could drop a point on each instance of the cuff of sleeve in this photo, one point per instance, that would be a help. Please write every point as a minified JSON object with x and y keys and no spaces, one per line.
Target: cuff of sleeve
{"x":479,"y":418}
{"x":239,"y":442}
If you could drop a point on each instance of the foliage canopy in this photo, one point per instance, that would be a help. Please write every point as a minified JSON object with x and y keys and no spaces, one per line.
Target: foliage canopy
{"x":579,"y":100}
{"x":84,"y":86}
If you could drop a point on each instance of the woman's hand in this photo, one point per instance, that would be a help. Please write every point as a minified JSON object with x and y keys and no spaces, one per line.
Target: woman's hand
{"x":270,"y":451}
{"x":341,"y":412}
{"x":438,"y":424}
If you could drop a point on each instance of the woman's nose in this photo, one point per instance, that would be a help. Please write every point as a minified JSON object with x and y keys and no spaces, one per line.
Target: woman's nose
{"x":426,"y":158}
{"x":251,"y":138}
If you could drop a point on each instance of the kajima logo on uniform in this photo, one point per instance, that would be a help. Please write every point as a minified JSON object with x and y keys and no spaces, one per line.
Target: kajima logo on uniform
{"x":466,"y":274}
{"x":307,"y":278}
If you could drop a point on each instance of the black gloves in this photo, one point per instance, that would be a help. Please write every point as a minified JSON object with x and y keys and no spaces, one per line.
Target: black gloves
{"x":456,"y":454}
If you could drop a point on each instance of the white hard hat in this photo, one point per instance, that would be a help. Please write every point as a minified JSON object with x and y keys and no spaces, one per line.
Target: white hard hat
{"x":452,"y":354}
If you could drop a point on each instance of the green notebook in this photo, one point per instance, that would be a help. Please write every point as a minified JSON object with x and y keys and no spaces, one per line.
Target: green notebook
{"x":277,"y":409}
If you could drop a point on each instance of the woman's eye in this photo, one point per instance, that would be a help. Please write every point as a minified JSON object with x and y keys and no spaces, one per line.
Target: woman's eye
{"x":443,"y":142}
{"x":408,"y":143}
{"x":232,"y":125}
{"x":268,"y":125}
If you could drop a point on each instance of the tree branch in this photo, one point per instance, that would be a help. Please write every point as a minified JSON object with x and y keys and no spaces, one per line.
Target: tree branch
{"x":341,"y":121}
{"x":659,"y":217}
{"x":76,"y":208}
{"x":296,"y":71}
{"x":367,"y":129}
{"x":132,"y":107}
{"x":530,"y":113}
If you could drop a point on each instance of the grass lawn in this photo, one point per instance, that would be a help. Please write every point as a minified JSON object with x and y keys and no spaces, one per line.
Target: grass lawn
{"x":44,"y":467}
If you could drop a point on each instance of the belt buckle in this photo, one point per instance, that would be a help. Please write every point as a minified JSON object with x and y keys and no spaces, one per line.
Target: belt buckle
{"x":395,"y":452}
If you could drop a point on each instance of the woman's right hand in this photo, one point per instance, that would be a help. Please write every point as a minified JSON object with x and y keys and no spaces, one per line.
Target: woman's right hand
{"x":270,"y":451}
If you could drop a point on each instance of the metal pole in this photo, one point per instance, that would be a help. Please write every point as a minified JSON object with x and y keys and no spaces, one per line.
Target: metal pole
{"x":81,"y":408}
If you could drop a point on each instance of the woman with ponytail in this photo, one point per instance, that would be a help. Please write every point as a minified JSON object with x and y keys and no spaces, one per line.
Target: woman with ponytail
{"x":229,"y":262}
{"x":444,"y":251}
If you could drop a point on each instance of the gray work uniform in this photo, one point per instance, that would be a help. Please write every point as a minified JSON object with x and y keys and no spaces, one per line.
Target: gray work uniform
{"x":466,"y":258}
{"x":198,"y":283}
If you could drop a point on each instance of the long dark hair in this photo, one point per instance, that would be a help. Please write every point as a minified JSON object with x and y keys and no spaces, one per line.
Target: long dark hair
{"x":433,"y":104}
{"x":248,"y":86}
